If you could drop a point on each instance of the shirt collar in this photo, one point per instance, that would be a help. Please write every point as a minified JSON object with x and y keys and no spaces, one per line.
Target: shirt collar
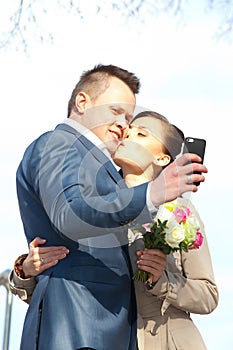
{"x":91,"y":137}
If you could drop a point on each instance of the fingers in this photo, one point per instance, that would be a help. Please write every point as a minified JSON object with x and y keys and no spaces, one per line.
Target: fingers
{"x":40,"y":259}
{"x":188,"y":163}
{"x":154,"y":252}
{"x":152,"y":261}
{"x":36,"y":263}
{"x":51,"y":251}
{"x":51,"y":255}
{"x":36,"y":242}
{"x":46,"y":262}
{"x":174,"y":180}
{"x":36,"y":250}
{"x":192,"y":168}
{"x":192,"y":178}
{"x":188,"y":158}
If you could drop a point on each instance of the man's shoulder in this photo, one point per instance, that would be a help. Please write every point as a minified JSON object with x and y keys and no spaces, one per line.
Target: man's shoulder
{"x":48,"y":138}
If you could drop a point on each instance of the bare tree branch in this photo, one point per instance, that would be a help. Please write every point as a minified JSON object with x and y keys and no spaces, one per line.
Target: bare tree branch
{"x":225,"y":7}
{"x":23,"y":24}
{"x":26,"y":22}
{"x":15,"y":19}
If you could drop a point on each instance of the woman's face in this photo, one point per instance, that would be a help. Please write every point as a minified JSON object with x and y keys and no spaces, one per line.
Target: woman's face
{"x":143,"y":143}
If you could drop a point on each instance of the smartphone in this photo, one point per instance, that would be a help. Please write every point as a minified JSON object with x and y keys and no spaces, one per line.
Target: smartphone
{"x":197,"y":146}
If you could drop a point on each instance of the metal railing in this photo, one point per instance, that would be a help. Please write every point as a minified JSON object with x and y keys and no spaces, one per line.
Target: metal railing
{"x":4,"y":282}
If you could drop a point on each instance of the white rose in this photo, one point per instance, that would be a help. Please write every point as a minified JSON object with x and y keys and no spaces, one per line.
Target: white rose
{"x":174,"y":234}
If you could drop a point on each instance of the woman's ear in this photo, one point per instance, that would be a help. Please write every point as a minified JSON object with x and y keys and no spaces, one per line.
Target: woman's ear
{"x":82,"y":100}
{"x":162,"y":159}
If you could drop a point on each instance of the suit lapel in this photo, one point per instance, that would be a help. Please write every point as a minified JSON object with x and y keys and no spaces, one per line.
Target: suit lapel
{"x":96,"y":152}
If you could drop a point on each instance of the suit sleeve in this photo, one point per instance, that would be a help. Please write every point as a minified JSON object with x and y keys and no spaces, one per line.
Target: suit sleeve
{"x":79,"y":194}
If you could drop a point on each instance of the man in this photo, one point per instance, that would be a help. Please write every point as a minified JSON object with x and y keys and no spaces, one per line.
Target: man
{"x":69,"y":189}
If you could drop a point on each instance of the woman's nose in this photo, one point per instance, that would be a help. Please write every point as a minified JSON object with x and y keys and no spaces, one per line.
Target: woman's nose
{"x":129,"y":134}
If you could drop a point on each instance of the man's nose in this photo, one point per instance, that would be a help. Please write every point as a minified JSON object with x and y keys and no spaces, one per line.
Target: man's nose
{"x":122,"y":124}
{"x":121,"y":120}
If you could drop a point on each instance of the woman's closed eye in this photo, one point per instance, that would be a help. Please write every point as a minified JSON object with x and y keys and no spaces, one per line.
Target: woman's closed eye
{"x":141,"y":133}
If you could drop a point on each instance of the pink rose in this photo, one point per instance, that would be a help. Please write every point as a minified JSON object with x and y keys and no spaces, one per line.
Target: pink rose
{"x":188,"y":211}
{"x":180,"y":215}
{"x":198,"y":241}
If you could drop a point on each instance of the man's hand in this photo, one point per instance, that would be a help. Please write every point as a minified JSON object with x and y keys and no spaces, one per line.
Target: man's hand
{"x":174,"y":180}
{"x":40,"y":259}
{"x":152,"y":261}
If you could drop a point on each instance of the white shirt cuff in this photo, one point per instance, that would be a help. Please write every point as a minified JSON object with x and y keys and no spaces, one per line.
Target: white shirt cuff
{"x":152,"y":209}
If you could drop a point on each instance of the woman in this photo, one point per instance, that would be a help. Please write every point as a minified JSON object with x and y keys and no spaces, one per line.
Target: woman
{"x":187,"y":283}
{"x":182,"y":283}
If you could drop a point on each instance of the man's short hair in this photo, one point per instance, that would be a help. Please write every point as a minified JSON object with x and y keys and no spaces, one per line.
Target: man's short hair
{"x":95,"y":81}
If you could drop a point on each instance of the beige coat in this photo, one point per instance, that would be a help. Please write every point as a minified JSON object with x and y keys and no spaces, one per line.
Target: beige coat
{"x":186,"y":286}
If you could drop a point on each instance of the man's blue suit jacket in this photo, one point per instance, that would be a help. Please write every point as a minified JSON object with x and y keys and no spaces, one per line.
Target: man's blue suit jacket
{"x":70,"y":193}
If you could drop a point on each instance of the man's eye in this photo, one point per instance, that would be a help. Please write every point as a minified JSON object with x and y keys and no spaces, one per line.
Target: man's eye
{"x":116,"y":111}
{"x":141,"y":134}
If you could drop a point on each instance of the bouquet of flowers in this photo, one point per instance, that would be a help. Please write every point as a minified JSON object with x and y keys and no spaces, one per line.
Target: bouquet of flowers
{"x":174,"y":228}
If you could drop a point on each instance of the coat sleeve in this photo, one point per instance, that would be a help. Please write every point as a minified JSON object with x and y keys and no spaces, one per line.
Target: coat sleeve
{"x":191,"y":286}
{"x":23,"y":288}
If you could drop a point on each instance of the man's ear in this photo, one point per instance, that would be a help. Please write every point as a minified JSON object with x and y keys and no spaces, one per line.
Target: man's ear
{"x":162,"y":159}
{"x":82,"y":100}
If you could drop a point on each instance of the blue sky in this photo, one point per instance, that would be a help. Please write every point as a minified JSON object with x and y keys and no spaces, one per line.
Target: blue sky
{"x":186,"y":75}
